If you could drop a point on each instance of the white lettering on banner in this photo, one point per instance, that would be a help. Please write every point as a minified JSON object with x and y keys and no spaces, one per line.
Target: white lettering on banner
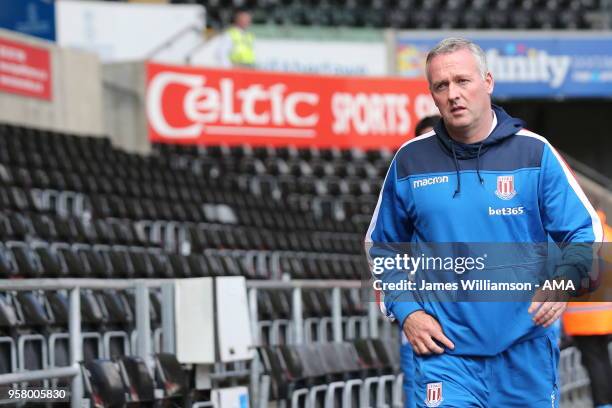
{"x":256,"y":105}
{"x":537,"y":66}
{"x":250,"y":97}
{"x":21,"y":83}
{"x":424,"y":106}
{"x":227,"y":103}
{"x":12,"y":54}
{"x":23,"y":70}
{"x":291,"y":104}
{"x":370,"y":113}
{"x":155,"y":109}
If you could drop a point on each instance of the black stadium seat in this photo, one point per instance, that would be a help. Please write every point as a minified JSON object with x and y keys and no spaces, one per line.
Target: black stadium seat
{"x":8,"y":265}
{"x":27,"y":261}
{"x":103,"y":383}
{"x":171,"y":376}
{"x":139,"y":381}
{"x":52,"y":263}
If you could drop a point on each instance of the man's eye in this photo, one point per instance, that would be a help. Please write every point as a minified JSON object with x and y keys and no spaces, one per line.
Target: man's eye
{"x":463,"y":81}
{"x":440,"y":87}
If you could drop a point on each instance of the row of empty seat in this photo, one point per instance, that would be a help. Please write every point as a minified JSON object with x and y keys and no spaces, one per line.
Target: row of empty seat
{"x":52,"y":227}
{"x":34,"y":327}
{"x":287,"y":153}
{"x":359,"y":373}
{"x":276,"y":304}
{"x":162,"y":202}
{"x":62,"y":260}
{"x":419,"y":14}
{"x":38,"y":259}
{"x":127,"y":381}
{"x":275,"y":325}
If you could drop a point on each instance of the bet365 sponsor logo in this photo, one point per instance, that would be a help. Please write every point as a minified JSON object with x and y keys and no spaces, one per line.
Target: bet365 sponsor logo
{"x":507,"y":211}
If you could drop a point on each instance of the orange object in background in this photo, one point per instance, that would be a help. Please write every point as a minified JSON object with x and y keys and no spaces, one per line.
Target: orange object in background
{"x":592,"y":318}
{"x":588,"y":318}
{"x":607,"y":234}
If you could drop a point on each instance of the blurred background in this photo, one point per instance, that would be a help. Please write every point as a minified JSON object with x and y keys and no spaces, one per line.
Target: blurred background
{"x":185,"y":186}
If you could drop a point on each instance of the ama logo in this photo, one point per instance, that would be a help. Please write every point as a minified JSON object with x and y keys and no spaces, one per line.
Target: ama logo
{"x":518,"y":63}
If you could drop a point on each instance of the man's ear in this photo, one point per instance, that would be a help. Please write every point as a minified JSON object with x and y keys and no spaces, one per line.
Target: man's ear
{"x":489,"y":82}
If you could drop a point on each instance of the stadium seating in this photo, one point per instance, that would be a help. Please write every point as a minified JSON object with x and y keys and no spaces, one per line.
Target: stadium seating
{"x":258,"y":212}
{"x":351,"y":374}
{"x":155,"y":216}
{"x":127,"y":380}
{"x":414,"y":14}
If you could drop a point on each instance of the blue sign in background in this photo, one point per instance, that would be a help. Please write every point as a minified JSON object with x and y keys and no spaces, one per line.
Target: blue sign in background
{"x":579,"y":66}
{"x":31,"y":17}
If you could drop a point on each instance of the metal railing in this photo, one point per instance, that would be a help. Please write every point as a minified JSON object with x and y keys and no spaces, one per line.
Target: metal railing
{"x":297,"y":318}
{"x":142,"y":318}
{"x":143,"y":326}
{"x":260,"y":385}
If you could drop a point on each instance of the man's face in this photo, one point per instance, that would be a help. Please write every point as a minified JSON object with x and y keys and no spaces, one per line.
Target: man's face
{"x":243,"y":20}
{"x":460,"y":92}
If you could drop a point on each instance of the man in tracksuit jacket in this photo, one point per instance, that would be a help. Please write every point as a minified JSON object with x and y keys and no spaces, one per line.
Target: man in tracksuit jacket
{"x":487,"y":180}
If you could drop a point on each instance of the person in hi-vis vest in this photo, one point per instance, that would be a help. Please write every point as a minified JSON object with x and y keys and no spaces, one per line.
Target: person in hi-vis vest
{"x":590,"y":325}
{"x":237,"y":44}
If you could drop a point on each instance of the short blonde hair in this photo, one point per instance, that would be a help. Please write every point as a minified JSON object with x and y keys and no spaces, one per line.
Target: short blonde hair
{"x":452,"y":44}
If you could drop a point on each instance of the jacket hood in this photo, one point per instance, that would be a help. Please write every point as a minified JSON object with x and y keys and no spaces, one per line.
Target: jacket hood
{"x":507,"y":126}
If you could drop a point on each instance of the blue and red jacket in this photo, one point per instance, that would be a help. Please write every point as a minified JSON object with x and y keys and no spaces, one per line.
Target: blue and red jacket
{"x":438,"y":190}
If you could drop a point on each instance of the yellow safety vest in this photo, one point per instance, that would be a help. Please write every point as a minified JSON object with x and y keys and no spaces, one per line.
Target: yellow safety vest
{"x":242,"y":47}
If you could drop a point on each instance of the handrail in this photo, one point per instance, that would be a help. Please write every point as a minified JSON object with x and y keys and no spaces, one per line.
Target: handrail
{"x":588,"y":171}
{"x":305,"y":284}
{"x":82,"y":283}
{"x":173,"y":38}
{"x":57,"y":372}
{"x":142,"y":317}
{"x":141,"y":287}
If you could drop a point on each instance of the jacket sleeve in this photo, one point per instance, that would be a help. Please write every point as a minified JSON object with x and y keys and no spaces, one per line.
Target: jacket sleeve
{"x":569,"y":219}
{"x":389,"y":234}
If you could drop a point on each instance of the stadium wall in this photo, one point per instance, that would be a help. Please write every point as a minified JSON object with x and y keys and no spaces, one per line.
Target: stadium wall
{"x":124,"y":105}
{"x":75,"y":105}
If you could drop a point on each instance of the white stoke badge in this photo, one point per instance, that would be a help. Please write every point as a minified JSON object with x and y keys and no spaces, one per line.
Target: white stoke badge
{"x":434,"y":394}
{"x":505,"y":187}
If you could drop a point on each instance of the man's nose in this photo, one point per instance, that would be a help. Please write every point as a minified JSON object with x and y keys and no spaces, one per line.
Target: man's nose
{"x":453,"y":92}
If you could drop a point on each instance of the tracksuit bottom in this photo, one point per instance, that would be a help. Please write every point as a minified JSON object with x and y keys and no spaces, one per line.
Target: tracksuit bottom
{"x":523,"y":376}
{"x":596,"y":359}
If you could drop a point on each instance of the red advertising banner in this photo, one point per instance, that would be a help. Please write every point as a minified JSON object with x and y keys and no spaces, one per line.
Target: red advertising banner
{"x":215,"y":106}
{"x":25,"y":69}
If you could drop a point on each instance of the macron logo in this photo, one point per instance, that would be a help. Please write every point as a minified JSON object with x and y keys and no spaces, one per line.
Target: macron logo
{"x":429,"y":181}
